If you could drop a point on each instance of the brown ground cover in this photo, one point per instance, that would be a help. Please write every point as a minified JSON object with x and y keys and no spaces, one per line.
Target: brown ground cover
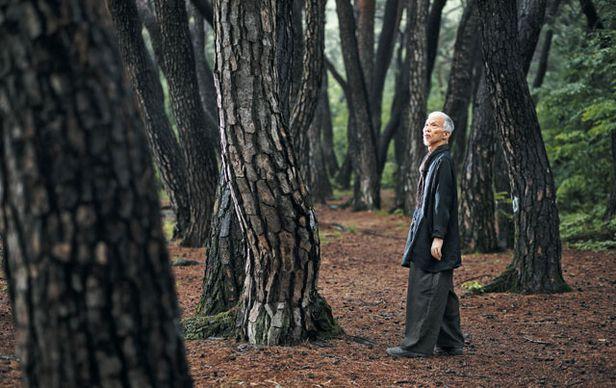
{"x":512,"y":340}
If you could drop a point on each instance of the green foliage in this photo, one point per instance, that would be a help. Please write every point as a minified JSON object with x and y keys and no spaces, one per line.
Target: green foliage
{"x":577,"y":111}
{"x":588,"y":231}
{"x":472,"y":286}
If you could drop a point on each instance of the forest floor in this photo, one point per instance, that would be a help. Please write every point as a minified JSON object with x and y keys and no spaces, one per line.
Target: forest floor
{"x":512,"y":340}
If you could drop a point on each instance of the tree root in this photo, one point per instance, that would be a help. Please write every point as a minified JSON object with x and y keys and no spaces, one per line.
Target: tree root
{"x":206,"y":326}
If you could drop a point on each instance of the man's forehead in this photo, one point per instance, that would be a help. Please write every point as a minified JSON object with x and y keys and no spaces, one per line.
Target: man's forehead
{"x":436,"y":118}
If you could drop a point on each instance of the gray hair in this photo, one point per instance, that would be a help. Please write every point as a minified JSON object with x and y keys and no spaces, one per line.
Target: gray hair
{"x":447,"y":121}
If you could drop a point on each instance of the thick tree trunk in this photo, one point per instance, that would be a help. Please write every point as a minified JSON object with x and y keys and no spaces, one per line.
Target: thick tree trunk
{"x":89,"y":277}
{"x":477,"y":221}
{"x":384,"y":53}
{"x":366,"y":192}
{"x":416,"y":116}
{"x":433,"y":31}
{"x":460,"y":86}
{"x":225,"y":256}
{"x":331,"y":162}
{"x":161,"y":139}
{"x":279,"y":302}
{"x":196,"y":132}
{"x":536,"y":263}
{"x":343,"y":178}
{"x":478,"y":226}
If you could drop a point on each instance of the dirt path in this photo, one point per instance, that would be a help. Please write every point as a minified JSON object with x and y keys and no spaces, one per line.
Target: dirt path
{"x":565,"y":339}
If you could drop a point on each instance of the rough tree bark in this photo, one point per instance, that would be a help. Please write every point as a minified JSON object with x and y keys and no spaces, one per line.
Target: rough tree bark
{"x":366,"y":191}
{"x":536,"y":262}
{"x":478,"y":224}
{"x":306,"y":101}
{"x":225,"y":256}
{"x":280,"y":303}
{"x":92,"y":290}
{"x":417,"y":14}
{"x":196,"y":132}
{"x":161,"y":139}
{"x":477,"y":221}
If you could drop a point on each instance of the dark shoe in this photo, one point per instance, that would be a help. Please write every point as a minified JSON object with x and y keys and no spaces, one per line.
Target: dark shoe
{"x":399,"y":352}
{"x":448,"y":351}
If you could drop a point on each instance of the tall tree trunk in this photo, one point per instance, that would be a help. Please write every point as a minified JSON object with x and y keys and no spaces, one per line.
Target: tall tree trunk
{"x":331,"y":162}
{"x":343,"y":178}
{"x":196,"y":132}
{"x":318,"y":181}
{"x":205,"y":77}
{"x":307,"y":98}
{"x":505,"y":228}
{"x":433,"y":31}
{"x":542,"y":67}
{"x":536,"y":263}
{"x":365,"y":40}
{"x":366,"y":192}
{"x":384,"y":54}
{"x":90,"y":282}
{"x":478,"y":226}
{"x":161,"y":139}
{"x":417,"y":14}
{"x":460,"y":86}
{"x":279,"y":302}
{"x":225,"y":256}
{"x":477,"y":221}
{"x":400,"y":101}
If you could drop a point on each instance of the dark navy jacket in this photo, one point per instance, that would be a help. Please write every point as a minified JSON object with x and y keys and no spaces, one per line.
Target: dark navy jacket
{"x":436,"y":216}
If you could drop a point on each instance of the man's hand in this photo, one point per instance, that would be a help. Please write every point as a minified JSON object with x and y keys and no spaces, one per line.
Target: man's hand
{"x":436,"y":250}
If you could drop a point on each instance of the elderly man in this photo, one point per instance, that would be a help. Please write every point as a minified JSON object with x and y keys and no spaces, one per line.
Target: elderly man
{"x":432,"y":252}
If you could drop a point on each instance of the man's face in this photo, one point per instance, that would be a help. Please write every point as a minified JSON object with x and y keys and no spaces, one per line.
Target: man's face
{"x":433,"y":131}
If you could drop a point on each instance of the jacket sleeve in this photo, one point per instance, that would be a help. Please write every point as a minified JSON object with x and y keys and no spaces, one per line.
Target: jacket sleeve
{"x":443,"y":199}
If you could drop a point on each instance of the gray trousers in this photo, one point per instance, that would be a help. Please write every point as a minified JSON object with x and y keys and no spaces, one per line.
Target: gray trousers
{"x":432,"y":312}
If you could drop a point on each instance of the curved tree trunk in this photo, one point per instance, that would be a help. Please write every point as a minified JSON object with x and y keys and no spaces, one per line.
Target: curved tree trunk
{"x":366,"y":192}
{"x":90,"y":282}
{"x":161,"y":139}
{"x":365,"y":40}
{"x":416,"y":116}
{"x":279,"y":302}
{"x":196,"y":132}
{"x":536,"y":263}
